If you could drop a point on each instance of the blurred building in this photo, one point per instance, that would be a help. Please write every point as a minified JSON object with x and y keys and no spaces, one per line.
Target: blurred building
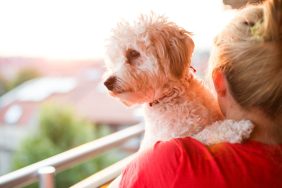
{"x":81,"y":89}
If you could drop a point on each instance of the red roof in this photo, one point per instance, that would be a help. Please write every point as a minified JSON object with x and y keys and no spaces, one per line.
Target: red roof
{"x":86,"y":98}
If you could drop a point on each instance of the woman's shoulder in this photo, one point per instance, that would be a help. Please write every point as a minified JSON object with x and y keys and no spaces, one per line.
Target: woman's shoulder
{"x":168,"y":155}
{"x":179,"y":144}
{"x":158,"y":166}
{"x":174,"y":150}
{"x":172,"y":163}
{"x":190,"y":151}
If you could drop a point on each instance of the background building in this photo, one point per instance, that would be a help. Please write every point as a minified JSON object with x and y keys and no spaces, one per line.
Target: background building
{"x":80,"y":88}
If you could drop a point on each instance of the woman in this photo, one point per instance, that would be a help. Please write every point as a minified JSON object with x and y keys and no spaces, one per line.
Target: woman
{"x":247,"y":74}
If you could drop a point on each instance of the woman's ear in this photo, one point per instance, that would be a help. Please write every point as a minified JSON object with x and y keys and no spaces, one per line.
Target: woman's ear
{"x":219,"y":83}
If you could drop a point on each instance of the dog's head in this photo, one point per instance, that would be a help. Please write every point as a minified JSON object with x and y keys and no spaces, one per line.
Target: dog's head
{"x":143,"y":57}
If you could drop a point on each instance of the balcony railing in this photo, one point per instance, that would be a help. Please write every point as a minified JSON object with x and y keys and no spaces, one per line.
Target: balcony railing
{"x":44,"y":170}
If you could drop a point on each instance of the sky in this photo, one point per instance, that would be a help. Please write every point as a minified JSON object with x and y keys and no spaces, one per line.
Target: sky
{"x":77,"y":29}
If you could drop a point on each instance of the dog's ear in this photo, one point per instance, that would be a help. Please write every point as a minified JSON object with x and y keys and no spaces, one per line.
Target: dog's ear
{"x":174,"y":48}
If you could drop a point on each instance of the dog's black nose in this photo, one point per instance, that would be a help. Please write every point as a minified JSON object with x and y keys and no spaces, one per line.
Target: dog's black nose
{"x":110,"y":82}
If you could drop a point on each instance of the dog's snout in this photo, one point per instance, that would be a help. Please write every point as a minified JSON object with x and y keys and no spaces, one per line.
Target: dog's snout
{"x":110,"y":82}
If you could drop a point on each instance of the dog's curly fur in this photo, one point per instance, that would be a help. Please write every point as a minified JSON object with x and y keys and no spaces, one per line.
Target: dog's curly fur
{"x":148,"y":63}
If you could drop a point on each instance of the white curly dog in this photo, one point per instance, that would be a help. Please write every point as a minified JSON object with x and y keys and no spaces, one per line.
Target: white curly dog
{"x":148,"y":62}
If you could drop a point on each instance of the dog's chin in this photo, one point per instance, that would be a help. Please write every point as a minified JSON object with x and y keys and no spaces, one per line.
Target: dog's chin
{"x":127,"y":103}
{"x":128,"y":98}
{"x":122,"y":96}
{"x":113,"y":94}
{"x":118,"y":93}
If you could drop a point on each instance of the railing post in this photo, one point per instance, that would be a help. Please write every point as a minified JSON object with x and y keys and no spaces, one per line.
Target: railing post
{"x":46,"y":177}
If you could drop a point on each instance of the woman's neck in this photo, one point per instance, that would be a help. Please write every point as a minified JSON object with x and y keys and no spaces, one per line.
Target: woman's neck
{"x":266,"y":130}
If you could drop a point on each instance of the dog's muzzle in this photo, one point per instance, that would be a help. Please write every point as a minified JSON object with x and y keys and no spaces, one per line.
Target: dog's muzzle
{"x":110,"y":82}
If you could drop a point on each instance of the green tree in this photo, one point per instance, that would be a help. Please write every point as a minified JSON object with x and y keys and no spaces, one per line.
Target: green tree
{"x":22,"y":76}
{"x":59,"y":130}
{"x":3,"y":85}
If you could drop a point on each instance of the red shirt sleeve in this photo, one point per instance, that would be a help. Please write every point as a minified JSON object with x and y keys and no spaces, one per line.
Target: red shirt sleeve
{"x":165,"y":156}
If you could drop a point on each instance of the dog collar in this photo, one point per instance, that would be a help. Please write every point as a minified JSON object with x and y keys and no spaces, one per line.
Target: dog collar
{"x":157,"y":101}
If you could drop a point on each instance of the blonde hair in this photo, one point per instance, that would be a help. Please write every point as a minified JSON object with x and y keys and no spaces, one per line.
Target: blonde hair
{"x":249,"y":52}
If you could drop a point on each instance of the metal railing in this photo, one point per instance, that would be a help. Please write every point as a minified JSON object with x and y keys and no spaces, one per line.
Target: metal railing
{"x":104,"y":176}
{"x":65,"y":160}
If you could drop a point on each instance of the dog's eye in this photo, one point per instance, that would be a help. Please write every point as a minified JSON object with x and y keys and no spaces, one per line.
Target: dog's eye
{"x":132,"y":54}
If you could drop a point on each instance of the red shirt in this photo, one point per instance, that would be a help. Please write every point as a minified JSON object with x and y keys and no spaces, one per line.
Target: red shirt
{"x":185,"y":162}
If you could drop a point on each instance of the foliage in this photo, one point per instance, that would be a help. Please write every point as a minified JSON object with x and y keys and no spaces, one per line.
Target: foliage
{"x":22,"y":76}
{"x":59,"y":130}
{"x":3,"y":85}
